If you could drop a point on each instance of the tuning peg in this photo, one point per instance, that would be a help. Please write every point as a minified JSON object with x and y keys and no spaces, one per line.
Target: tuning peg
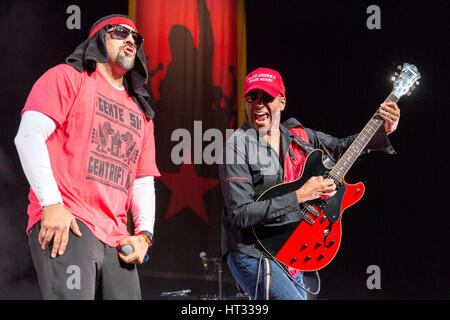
{"x":396,"y":74}
{"x":392,"y":78}
{"x":412,"y":88}
{"x":399,"y":67}
{"x":408,"y":93}
{"x":417,"y":83}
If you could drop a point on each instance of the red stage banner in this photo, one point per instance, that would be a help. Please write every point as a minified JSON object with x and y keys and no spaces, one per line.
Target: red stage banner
{"x":196,"y":62}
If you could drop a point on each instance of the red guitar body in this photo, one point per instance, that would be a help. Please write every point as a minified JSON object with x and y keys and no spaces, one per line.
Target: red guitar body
{"x":312,"y":247}
{"x":311,"y":243}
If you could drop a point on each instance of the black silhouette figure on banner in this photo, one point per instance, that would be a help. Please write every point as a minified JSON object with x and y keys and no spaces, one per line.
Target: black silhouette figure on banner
{"x":187,"y":93}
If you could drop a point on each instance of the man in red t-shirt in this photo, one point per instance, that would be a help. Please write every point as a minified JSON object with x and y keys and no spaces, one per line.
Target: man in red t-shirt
{"x":87,"y":148}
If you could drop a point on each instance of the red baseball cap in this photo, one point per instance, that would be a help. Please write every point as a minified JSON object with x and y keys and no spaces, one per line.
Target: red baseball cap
{"x":266,"y":79}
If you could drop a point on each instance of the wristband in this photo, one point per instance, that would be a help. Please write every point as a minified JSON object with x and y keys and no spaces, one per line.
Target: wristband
{"x":147,"y":239}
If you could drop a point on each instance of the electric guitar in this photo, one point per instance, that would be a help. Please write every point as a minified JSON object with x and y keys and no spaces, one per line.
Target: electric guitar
{"x":311,"y":243}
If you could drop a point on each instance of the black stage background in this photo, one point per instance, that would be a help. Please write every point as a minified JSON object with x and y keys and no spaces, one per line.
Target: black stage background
{"x":337,"y":72}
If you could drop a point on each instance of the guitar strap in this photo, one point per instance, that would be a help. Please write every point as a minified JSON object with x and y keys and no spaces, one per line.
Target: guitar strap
{"x":308,"y":149}
{"x":302,"y":144}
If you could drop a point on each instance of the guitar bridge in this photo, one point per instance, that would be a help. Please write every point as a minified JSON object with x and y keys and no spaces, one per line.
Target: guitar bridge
{"x":307,"y":218}
{"x":312,"y":210}
{"x":308,"y":207}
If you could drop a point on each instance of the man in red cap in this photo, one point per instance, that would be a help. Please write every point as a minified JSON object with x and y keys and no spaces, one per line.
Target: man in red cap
{"x":87,"y":148}
{"x":265,"y":152}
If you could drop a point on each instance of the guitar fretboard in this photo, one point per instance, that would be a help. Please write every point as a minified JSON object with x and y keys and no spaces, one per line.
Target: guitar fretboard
{"x":355,"y":149}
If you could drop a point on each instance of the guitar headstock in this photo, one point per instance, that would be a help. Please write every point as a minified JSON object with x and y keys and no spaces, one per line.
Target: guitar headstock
{"x":405,"y":82}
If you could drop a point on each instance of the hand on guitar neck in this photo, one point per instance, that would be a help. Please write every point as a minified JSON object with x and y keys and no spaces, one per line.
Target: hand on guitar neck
{"x":390,"y":113}
{"x":316,"y":187}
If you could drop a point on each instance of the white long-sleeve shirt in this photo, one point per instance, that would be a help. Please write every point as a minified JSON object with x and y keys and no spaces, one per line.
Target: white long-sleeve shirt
{"x":34,"y":129}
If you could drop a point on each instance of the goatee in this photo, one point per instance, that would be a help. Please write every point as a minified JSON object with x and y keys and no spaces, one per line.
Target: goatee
{"x":126,"y":62}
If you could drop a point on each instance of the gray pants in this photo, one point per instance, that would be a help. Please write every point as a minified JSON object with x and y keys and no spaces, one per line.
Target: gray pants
{"x":88,"y":269}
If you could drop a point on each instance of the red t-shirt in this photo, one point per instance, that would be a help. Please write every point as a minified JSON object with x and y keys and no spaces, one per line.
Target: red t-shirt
{"x":101,"y":144}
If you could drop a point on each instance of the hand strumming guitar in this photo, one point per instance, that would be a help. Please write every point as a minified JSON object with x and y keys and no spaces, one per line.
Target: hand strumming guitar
{"x":316,"y":187}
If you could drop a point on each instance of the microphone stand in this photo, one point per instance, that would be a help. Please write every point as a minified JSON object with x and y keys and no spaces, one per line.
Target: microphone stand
{"x":218,"y":262}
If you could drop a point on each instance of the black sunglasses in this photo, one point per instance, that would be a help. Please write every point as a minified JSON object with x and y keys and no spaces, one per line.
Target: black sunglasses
{"x":252,"y":96}
{"x":121,"y":33}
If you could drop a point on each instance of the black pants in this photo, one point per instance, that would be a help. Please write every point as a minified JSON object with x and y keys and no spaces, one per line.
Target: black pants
{"x":88,"y":269}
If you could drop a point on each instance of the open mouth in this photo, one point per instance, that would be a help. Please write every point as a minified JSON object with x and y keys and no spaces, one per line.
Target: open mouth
{"x":129,"y":50}
{"x":261,"y":118}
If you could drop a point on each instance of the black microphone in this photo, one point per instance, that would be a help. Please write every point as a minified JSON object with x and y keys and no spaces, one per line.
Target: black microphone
{"x":204,"y":259}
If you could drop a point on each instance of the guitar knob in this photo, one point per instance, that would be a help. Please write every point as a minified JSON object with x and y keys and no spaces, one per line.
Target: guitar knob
{"x":330,"y":243}
{"x":303,"y":247}
{"x":307,"y":258}
{"x":321,"y":257}
{"x":318,"y":244}
{"x":293,"y":260}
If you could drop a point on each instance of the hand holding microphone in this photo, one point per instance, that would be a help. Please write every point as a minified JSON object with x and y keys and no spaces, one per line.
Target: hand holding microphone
{"x":134,"y":249}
